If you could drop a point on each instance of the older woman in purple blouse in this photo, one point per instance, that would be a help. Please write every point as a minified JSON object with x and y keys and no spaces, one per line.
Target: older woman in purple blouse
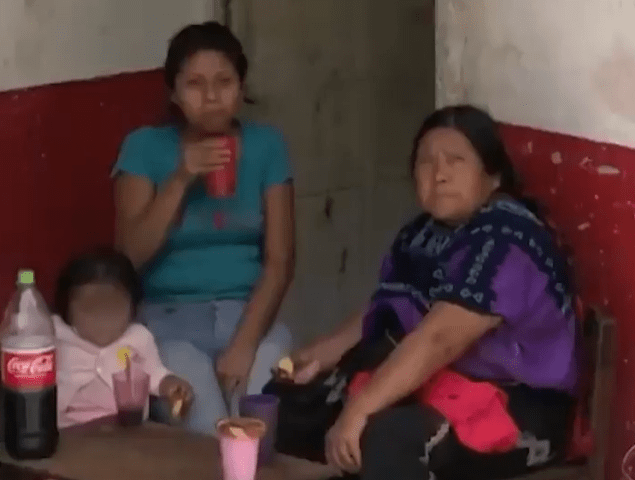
{"x":476,"y":284}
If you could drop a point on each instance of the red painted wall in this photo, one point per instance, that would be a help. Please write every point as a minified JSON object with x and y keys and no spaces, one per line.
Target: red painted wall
{"x":57,"y":144}
{"x":589,"y":189}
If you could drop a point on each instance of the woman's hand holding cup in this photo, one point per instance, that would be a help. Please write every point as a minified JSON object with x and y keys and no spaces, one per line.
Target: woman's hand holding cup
{"x":201,"y":156}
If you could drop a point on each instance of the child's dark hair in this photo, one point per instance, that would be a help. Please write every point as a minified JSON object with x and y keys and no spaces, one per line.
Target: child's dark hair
{"x":203,"y":36}
{"x":101,"y":265}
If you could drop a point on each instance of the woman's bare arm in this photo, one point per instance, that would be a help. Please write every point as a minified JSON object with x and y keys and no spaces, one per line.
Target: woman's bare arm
{"x":145,"y":215}
{"x":328,"y":349}
{"x":347,"y":335}
{"x":278,"y":266}
{"x":447,"y":331}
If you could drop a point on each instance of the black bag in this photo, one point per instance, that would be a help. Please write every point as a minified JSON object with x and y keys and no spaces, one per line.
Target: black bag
{"x":305,"y":415}
{"x":308,"y":411}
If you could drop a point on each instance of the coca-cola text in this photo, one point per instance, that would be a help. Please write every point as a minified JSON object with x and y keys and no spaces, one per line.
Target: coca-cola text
{"x":28,"y":370}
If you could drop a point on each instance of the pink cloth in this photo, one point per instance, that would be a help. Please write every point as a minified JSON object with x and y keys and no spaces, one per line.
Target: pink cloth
{"x":84,"y":371}
{"x":477,"y":411}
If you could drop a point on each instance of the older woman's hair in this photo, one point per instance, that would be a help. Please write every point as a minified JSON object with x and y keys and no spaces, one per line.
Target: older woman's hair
{"x":482,"y":132}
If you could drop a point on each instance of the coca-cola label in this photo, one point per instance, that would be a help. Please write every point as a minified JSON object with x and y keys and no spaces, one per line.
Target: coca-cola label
{"x":28,"y":370}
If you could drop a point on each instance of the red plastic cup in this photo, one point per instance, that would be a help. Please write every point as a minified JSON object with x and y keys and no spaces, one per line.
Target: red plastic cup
{"x":221,"y":183}
{"x":131,"y":396}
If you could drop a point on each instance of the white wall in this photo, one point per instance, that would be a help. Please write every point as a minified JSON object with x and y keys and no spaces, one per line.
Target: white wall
{"x":563,"y":65}
{"x":49,"y":41}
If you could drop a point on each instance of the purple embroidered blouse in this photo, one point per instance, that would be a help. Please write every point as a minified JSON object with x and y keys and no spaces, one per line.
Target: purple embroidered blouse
{"x":503,"y":262}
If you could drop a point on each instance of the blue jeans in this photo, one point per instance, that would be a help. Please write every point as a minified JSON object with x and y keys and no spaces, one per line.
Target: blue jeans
{"x":191,"y":335}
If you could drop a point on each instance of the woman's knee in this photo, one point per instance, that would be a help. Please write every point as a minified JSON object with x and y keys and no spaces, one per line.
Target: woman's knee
{"x":408,"y":426}
{"x":185,"y":359}
{"x":383,"y":427}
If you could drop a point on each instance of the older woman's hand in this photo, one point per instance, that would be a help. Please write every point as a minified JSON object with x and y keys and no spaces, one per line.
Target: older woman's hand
{"x":343,"y":449}
{"x":323,"y":354}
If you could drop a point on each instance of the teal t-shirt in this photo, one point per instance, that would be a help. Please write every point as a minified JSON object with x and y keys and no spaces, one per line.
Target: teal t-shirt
{"x":214,"y":251}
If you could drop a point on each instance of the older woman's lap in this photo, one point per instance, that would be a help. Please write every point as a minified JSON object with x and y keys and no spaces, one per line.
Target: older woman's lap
{"x":191,"y":335}
{"x":411,"y":441}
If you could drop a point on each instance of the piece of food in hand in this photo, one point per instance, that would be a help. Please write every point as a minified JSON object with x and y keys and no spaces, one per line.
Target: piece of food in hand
{"x":285,"y":367}
{"x":179,"y":403}
{"x":177,"y":407}
{"x":306,"y":374}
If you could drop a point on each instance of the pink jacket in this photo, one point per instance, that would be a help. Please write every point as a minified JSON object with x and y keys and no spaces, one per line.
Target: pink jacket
{"x":84,"y":371}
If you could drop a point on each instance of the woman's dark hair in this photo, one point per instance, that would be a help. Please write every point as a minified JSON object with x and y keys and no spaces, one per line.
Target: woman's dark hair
{"x":203,"y":36}
{"x":482,"y":132}
{"x":101,"y":265}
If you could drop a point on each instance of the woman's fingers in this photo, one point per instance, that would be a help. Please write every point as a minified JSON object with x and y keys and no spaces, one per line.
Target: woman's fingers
{"x":332,"y":456}
{"x":216,"y":157}
{"x":342,"y":454}
{"x":355,"y":454}
{"x":224,"y":379}
{"x":231,"y":383}
{"x":307,"y":373}
{"x":214,"y":143}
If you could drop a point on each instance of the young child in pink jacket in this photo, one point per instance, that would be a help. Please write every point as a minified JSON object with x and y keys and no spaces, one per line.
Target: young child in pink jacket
{"x":96,"y":301}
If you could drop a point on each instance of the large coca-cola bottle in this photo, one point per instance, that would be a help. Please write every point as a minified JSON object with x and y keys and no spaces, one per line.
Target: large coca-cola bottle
{"x":29,"y":391}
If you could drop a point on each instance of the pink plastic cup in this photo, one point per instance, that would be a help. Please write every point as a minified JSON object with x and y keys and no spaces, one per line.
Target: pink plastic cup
{"x":131,"y":396}
{"x":239,"y":454}
{"x":265,"y":408}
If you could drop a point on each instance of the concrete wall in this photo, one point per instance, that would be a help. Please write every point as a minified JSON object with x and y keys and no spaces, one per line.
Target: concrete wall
{"x":50,"y":41}
{"x":349,"y":82}
{"x":555,"y":64}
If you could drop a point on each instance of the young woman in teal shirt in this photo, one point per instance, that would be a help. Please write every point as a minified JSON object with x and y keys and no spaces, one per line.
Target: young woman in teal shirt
{"x":214,"y":270}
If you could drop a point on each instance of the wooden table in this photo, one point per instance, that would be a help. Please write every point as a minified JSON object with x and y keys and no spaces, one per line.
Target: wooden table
{"x":153,"y":452}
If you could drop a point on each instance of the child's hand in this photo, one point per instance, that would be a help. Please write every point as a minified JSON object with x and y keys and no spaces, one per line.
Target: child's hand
{"x":179,"y":394}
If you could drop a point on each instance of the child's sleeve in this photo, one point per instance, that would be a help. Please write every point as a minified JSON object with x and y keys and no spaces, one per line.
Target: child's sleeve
{"x":152,"y":363}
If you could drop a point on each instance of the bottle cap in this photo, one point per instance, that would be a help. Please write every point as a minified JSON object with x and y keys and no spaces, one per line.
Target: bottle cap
{"x":26,"y":277}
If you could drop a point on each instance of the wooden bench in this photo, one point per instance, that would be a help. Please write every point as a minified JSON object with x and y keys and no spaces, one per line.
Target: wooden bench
{"x":600,"y":340}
